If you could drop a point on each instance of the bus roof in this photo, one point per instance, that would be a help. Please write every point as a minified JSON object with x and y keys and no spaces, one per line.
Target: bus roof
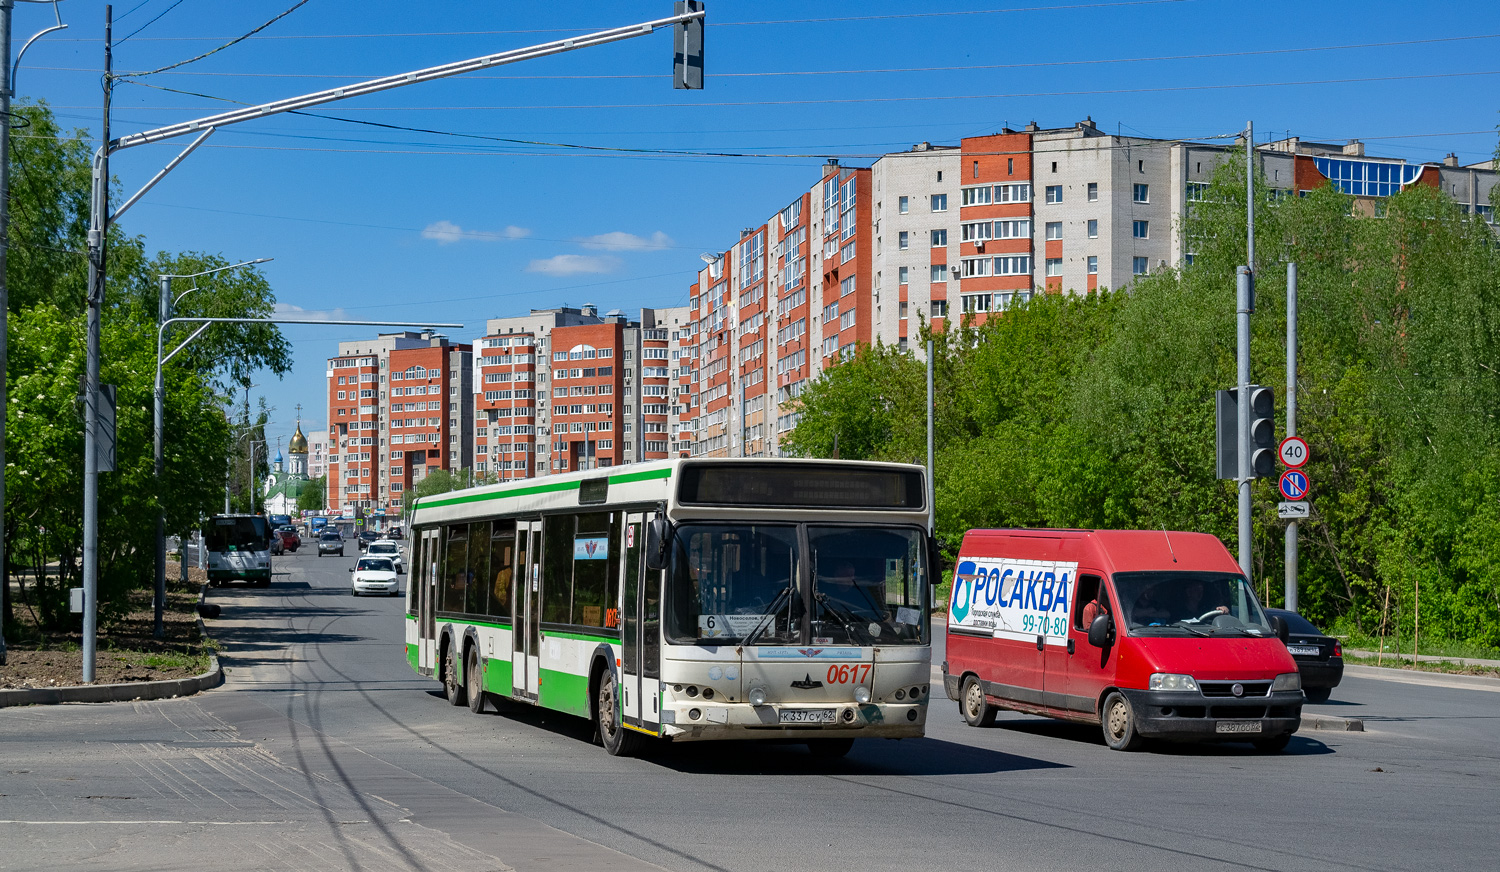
{"x":654,"y":482}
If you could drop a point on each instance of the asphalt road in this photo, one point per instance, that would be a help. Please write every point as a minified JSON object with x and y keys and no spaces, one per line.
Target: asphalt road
{"x":324,"y":750}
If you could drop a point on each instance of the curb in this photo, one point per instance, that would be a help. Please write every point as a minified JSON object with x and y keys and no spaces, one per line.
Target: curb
{"x":1449,"y":680}
{"x":128,"y":691}
{"x":1330,"y":722}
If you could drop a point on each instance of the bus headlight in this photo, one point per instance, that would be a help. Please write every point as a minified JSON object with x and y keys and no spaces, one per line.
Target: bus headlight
{"x":861,"y":694}
{"x":757,"y":696}
{"x":1287,"y":681}
{"x":1171,"y":681}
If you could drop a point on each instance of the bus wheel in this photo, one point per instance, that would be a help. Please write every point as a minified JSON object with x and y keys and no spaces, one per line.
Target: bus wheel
{"x":976,"y":710}
{"x":1119,"y":724}
{"x":474,"y":682}
{"x":451,"y":688}
{"x":618,"y":741}
{"x":829,"y":749}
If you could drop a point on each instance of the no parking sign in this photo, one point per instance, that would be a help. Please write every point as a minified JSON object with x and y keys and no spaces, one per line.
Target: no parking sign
{"x":1293,"y":484}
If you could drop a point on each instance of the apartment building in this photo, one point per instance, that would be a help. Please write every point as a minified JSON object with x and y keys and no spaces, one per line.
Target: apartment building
{"x":395,"y":405}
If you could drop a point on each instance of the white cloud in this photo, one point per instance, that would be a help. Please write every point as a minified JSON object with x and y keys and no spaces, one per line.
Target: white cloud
{"x":446,"y":233}
{"x":290,"y":311}
{"x":619,"y":240}
{"x":573,"y":264}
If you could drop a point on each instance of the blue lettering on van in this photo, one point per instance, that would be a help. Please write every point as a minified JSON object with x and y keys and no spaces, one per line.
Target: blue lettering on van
{"x":1015,"y":588}
{"x":992,"y":586}
{"x":1044,"y":602}
{"x":1030,"y":601}
{"x":1060,"y":597}
{"x":963,"y":590}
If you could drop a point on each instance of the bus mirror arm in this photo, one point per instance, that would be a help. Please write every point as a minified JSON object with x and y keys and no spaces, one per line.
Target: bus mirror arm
{"x":934,"y":561}
{"x":658,"y":535}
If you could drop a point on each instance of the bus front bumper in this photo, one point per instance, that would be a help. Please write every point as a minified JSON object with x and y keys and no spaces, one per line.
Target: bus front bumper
{"x":706,"y":720}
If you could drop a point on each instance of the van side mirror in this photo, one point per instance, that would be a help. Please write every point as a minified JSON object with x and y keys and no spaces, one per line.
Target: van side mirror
{"x":1102,"y":631}
{"x":658,"y":534}
{"x":1279,"y":627}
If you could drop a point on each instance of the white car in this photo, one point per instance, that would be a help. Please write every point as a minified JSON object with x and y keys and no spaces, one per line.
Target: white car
{"x":374,"y":575}
{"x":388,"y":549}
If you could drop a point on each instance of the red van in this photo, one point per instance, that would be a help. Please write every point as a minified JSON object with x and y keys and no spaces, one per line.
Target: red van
{"x":1148,"y":633}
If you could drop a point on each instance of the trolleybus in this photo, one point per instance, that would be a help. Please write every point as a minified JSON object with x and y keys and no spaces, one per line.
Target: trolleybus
{"x":685,"y":600}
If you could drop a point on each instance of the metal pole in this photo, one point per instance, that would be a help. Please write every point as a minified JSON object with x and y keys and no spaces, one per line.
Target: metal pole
{"x":250,"y":452}
{"x":1244,"y":292}
{"x":6,"y":6}
{"x":97,"y":236}
{"x":1250,"y":197}
{"x":1291,"y":424}
{"x":158,"y":413}
{"x":931,"y":483}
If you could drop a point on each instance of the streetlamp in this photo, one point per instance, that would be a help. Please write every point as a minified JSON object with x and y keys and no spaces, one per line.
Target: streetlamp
{"x":165,"y":304}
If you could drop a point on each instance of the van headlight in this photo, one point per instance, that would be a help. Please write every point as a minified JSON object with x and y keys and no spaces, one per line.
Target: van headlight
{"x":1287,"y":681}
{"x":1172,"y":681}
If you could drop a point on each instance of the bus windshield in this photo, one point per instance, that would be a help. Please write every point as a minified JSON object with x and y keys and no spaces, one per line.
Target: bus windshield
{"x":747,"y":584}
{"x":237,"y":534}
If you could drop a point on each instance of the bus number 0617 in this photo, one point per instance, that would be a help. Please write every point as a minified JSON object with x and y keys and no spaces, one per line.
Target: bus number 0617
{"x":856,"y":673}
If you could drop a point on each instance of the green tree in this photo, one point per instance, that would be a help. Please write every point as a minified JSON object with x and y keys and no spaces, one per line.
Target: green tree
{"x":313,"y":497}
{"x":437,"y":481}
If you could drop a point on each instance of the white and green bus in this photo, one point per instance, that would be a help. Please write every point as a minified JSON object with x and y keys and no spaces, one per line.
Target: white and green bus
{"x":685,"y":599}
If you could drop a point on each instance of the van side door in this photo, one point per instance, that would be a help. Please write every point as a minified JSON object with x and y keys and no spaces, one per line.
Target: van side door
{"x":1089,"y":670}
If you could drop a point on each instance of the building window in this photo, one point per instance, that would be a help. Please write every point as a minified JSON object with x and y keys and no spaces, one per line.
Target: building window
{"x":1054,"y":230}
{"x":902,"y":316}
{"x":1054,"y":267}
{"x":1093,"y":191}
{"x":1138,"y":266}
{"x":938,"y":273}
{"x":846,"y":286}
{"x":1140,"y":229}
{"x":1054,"y":193}
{"x":1013,"y":266}
{"x":1093,"y":228}
{"x":979,"y":196}
{"x":901,"y":275}
{"x":1142,"y":194}
{"x":939,"y":201}
{"x":939,"y":308}
{"x":903,"y":240}
{"x":902,"y":205}
{"x":1093,"y":265}
{"x":939,"y":238}
{"x":1010,"y":166}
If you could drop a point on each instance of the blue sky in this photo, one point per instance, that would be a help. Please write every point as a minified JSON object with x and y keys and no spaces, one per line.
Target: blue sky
{"x":366,"y":222}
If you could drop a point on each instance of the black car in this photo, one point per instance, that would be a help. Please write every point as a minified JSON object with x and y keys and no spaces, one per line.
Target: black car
{"x":366,"y":537}
{"x":1320,"y":658}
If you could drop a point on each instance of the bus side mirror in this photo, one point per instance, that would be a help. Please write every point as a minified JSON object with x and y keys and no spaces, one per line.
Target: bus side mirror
{"x":1279,"y":627}
{"x":1101,"y":630}
{"x":658,"y":534}
{"x":934,"y":561}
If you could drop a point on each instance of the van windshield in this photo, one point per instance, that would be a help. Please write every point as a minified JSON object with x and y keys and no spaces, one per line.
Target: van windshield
{"x":1188,"y":603}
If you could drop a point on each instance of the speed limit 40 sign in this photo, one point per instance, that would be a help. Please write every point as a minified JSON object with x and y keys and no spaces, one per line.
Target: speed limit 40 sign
{"x":1293,"y":452}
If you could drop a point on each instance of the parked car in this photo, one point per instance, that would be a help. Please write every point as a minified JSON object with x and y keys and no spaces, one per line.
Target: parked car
{"x":366,"y":537}
{"x":275,"y":545}
{"x":330,"y":542}
{"x":374,"y":575}
{"x":394,"y":533}
{"x":290,"y":539}
{"x":387,"y":548}
{"x":1320,"y":657}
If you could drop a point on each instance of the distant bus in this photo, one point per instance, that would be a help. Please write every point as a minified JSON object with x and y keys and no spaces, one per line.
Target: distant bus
{"x":238,"y":548}
{"x":686,"y":600}
{"x":279,"y":521}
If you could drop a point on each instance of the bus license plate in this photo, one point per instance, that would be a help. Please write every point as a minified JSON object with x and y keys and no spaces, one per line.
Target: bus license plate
{"x":1237,"y":727}
{"x":806,"y":716}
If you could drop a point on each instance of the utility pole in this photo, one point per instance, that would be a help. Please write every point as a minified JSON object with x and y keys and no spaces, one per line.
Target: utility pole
{"x":6,"y":7}
{"x":1244,"y":305}
{"x":1291,"y":424}
{"x":931,"y":481}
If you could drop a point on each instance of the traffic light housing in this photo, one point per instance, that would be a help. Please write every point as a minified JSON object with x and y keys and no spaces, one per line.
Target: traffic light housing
{"x":1262,"y":432}
{"x":687,"y":47}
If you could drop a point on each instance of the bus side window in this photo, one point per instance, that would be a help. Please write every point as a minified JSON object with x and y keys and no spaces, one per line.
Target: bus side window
{"x":476,"y":592}
{"x":502,"y":567}
{"x":455,"y":568}
{"x":557,"y":568}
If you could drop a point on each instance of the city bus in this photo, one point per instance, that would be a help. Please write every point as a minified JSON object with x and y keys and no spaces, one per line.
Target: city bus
{"x":685,"y":600}
{"x":238,"y":549}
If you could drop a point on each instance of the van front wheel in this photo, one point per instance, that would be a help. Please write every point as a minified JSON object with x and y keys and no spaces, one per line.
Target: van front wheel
{"x":976,"y":709}
{"x":1119,"y":724}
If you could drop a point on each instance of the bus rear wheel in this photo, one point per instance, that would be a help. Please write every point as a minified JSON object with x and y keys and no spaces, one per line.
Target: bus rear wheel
{"x":474,"y":682}
{"x":451,"y":688}
{"x":618,"y":740}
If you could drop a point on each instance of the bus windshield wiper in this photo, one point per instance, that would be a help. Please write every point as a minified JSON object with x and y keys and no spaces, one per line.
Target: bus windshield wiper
{"x":843,"y":617}
{"x":769,"y":615}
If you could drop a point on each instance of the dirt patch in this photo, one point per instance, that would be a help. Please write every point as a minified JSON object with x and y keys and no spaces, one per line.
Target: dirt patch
{"x":127,"y":649}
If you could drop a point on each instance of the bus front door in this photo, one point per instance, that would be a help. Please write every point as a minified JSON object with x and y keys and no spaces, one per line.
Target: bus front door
{"x":425,"y":575}
{"x":639,"y":699}
{"x":526,"y":633}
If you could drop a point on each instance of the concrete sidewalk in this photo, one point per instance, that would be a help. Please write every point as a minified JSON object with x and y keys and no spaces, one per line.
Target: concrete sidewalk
{"x":1399,"y":658}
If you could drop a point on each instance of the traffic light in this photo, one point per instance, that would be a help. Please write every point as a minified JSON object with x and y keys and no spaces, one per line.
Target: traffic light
{"x":1262,"y":432}
{"x":687,"y":47}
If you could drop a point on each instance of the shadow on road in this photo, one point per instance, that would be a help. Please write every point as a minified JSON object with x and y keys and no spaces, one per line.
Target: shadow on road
{"x":1088,"y":734}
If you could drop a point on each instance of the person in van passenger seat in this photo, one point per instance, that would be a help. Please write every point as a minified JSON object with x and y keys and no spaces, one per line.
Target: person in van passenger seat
{"x":1149,"y":608}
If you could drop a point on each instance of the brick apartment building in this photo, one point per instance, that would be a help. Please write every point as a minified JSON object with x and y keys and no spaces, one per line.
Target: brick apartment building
{"x":863,"y":255}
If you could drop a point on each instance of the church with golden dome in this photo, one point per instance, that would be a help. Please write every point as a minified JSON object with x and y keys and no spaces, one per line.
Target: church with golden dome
{"x":286,"y":481}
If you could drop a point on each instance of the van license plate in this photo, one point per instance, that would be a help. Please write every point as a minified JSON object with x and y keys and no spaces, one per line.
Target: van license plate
{"x":1237,"y":727}
{"x":1303,"y":650}
{"x":807,"y":716}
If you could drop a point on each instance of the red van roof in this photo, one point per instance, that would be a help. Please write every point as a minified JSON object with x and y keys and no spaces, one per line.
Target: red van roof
{"x":1126,"y":550}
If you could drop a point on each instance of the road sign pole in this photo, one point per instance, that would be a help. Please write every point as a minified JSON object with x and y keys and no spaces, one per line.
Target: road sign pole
{"x":1246,"y":475}
{"x":1291,"y":423}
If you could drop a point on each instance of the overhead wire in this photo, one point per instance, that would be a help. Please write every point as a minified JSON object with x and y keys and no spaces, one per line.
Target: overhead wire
{"x":149,"y":23}
{"x":232,"y":42}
